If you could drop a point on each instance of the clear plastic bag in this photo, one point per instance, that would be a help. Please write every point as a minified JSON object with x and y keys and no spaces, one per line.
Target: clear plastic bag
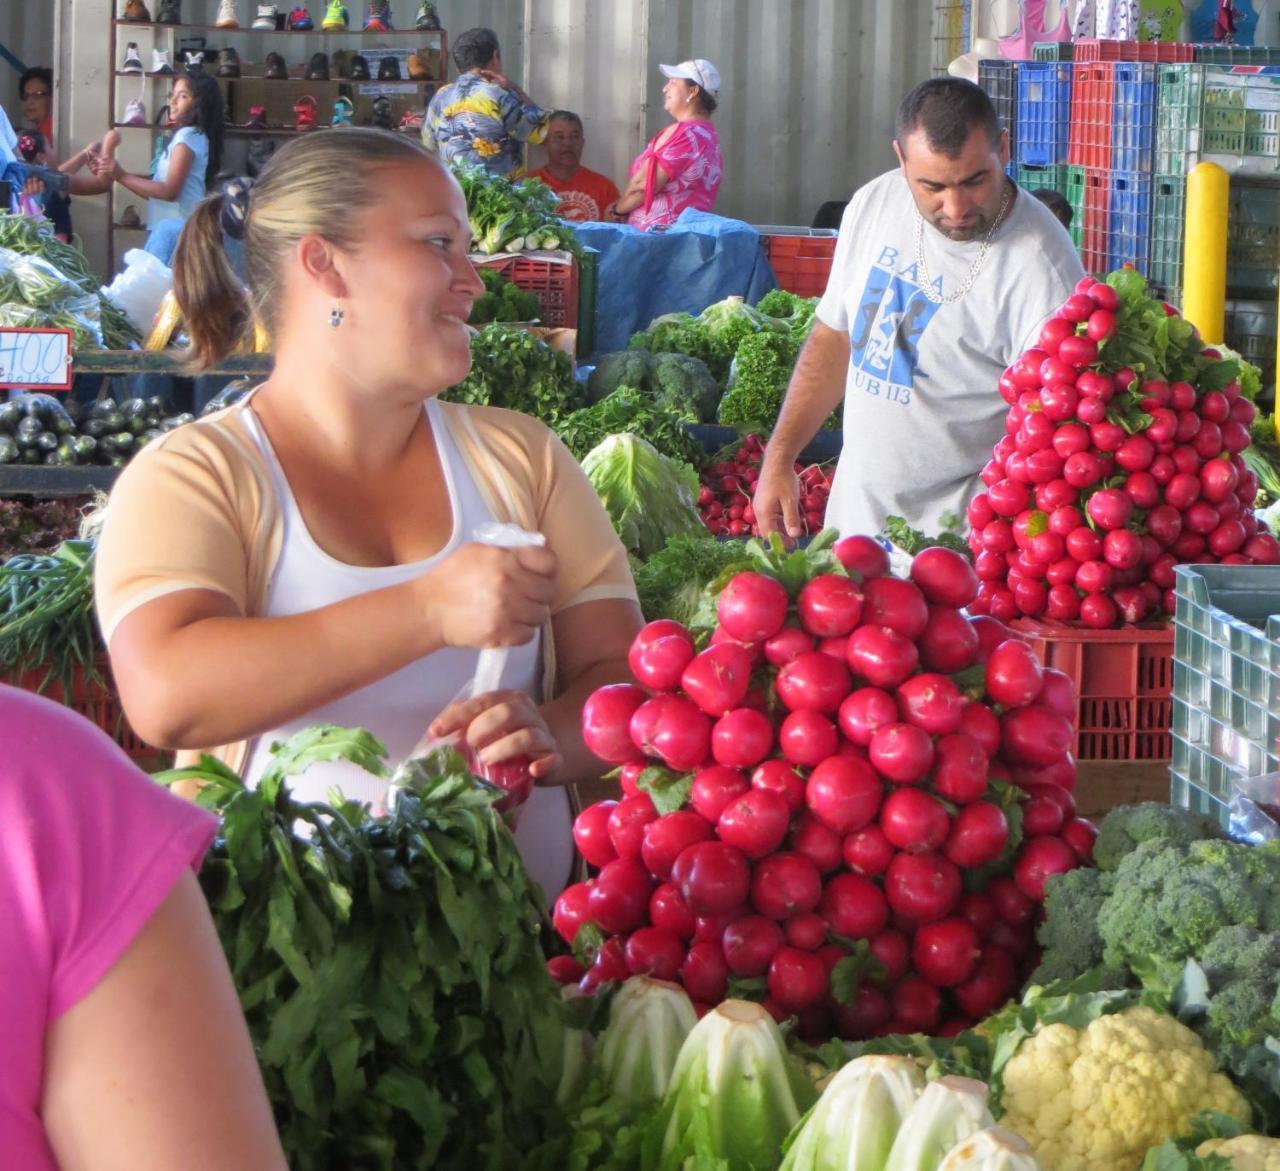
{"x":138,"y":290}
{"x":511,"y":776}
{"x":1255,"y":809}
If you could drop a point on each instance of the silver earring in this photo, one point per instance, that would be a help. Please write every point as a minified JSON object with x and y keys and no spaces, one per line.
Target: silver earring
{"x":335,"y":316}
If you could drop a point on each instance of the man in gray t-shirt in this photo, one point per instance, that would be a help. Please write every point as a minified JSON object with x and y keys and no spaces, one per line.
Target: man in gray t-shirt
{"x":943,"y":274}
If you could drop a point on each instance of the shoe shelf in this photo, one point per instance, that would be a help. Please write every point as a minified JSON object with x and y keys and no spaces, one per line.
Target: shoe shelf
{"x":289,"y":32}
{"x":148,"y":74}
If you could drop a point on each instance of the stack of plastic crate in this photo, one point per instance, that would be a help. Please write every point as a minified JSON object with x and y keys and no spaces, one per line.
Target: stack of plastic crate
{"x":1226,"y":681}
{"x":1179,"y":100}
{"x":1089,"y":148}
{"x":1000,"y":80}
{"x":1043,"y":120}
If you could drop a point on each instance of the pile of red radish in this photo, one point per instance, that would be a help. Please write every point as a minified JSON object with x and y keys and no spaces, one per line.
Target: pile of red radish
{"x":727,"y":488}
{"x":846,"y":805}
{"x":1108,"y":478}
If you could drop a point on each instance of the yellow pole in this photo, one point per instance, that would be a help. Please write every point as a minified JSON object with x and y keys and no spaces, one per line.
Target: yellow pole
{"x":1204,"y":293}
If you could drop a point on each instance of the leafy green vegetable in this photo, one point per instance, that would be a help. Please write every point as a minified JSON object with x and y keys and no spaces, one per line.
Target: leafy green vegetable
{"x":713,"y":336}
{"x":512,"y":217}
{"x":388,"y":967}
{"x":734,"y":1094}
{"x":1180,"y":1154}
{"x":673,"y":582}
{"x":1068,"y":935}
{"x":758,"y":380}
{"x":648,"y":1022}
{"x":676,"y":382}
{"x":511,"y":368}
{"x":912,"y":541}
{"x":857,"y":1119}
{"x":503,"y":300}
{"x":627,"y":409}
{"x":649,"y":498}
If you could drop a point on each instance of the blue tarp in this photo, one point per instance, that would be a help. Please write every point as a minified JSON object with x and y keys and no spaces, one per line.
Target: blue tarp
{"x":698,"y":260}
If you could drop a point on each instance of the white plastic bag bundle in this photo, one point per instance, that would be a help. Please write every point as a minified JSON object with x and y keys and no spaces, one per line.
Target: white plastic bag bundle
{"x":139,"y":289}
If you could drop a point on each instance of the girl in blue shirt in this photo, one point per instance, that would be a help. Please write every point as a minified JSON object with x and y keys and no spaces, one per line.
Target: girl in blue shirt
{"x":190,"y":157}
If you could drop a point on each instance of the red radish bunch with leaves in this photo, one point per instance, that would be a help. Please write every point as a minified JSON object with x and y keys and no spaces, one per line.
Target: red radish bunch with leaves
{"x":1122,"y":459}
{"x":728,"y":486}
{"x":843,"y":799}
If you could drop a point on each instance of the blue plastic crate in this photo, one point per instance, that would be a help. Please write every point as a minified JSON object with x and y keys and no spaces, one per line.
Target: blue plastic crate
{"x":1044,"y":113}
{"x":1129,"y":221}
{"x":1133,"y":123}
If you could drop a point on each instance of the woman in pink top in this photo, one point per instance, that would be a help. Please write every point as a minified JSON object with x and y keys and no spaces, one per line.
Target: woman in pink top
{"x":681,"y":167}
{"x":121,"y":1037}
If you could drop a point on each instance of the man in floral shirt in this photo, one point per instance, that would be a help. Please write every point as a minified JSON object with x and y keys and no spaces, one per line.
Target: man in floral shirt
{"x":482,"y":117}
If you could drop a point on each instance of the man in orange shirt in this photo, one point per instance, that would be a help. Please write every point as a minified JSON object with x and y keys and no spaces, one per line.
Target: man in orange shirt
{"x":584,"y":194}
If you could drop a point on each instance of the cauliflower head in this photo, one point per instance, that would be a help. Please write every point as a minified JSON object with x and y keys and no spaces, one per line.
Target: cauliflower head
{"x":1248,"y":1152}
{"x":1096,"y":1099}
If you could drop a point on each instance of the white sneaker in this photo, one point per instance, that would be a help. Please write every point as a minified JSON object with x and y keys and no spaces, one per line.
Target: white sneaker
{"x":266,"y":18}
{"x":227,"y":15}
{"x":132,"y":61}
{"x":160,"y":61}
{"x":135,"y":113}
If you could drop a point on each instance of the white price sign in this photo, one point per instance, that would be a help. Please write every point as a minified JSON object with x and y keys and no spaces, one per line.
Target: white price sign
{"x":35,"y":357}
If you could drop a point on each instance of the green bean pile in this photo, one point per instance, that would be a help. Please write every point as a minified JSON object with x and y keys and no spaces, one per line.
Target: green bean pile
{"x":46,"y":615}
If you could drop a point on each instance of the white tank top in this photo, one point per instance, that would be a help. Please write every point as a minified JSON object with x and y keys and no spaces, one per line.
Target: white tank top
{"x":398,"y":708}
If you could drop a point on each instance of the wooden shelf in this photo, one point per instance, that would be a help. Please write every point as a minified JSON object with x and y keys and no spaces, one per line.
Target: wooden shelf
{"x":149,"y":76}
{"x":277,"y":32}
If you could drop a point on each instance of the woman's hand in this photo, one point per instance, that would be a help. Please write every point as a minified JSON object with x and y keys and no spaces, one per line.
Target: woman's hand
{"x":501,"y":725}
{"x":482,"y":596}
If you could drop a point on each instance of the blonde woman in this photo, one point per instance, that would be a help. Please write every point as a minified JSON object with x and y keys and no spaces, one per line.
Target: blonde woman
{"x":307,"y":555}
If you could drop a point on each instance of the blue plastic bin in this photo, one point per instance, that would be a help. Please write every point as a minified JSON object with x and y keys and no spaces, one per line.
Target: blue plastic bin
{"x":1129,"y":221}
{"x":1133,"y":122}
{"x":1044,"y":113}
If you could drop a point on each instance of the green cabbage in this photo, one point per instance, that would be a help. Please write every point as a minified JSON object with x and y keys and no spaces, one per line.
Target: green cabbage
{"x":949,"y":1111}
{"x":648,"y":1022}
{"x":649,"y":498}
{"x":735,"y":1093}
{"x":854,"y":1124}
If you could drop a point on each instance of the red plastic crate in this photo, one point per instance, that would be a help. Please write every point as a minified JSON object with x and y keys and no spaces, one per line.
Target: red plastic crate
{"x":1165,"y":52}
{"x":554,"y":283}
{"x":1124,"y":685}
{"x":1089,"y":139}
{"x":1094,"y":236}
{"x":96,"y":700}
{"x":801,"y":264}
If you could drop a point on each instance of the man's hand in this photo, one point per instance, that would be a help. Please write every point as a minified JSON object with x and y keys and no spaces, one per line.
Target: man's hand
{"x":777,"y":500}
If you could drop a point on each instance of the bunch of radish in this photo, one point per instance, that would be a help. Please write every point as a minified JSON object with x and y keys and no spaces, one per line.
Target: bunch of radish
{"x":843,"y":801}
{"x":1109,"y":477}
{"x":728,"y":485}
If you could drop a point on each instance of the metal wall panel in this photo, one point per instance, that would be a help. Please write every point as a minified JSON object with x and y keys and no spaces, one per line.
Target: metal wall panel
{"x":809,"y":86}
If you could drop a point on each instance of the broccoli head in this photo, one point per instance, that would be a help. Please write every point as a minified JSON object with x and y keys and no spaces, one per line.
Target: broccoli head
{"x":1242,"y":967}
{"x":686,"y":386}
{"x":1068,"y":934}
{"x":621,"y":368}
{"x":1128,"y":826}
{"x":1169,"y":901}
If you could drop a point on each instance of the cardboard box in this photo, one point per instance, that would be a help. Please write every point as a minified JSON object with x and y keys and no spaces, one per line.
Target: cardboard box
{"x":405,"y":96}
{"x":282,"y":96}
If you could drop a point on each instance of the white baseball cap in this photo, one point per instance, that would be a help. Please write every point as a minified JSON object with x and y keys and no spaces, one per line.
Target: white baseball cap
{"x":699,"y":70}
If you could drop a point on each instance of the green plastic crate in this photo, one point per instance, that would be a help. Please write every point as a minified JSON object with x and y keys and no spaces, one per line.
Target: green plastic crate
{"x":1075,"y":187}
{"x":1253,"y":238}
{"x":1237,"y":55}
{"x":1052,"y":51}
{"x":1179,"y":99}
{"x":1251,"y":330}
{"x":1168,"y":227}
{"x":1038,"y":178}
{"x":1241,"y":116}
{"x":588,"y":267}
{"x":1226,"y":680}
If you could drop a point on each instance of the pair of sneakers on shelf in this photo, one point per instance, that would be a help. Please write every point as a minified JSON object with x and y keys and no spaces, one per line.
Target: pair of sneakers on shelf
{"x":133,"y":61}
{"x":136,"y":12}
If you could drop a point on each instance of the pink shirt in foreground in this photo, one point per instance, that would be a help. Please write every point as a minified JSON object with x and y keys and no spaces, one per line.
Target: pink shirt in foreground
{"x":691,"y":157}
{"x":89,"y":849}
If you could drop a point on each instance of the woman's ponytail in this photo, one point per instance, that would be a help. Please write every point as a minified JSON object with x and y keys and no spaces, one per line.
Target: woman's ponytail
{"x":214,"y":305}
